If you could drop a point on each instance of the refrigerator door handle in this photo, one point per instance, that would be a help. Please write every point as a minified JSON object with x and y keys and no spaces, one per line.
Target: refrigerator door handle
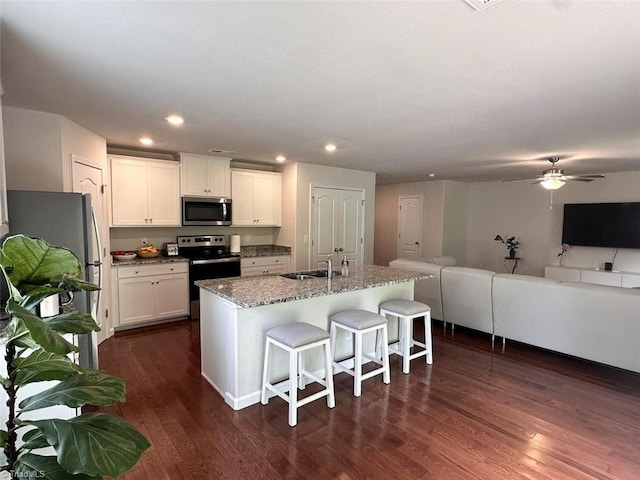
{"x":98,"y":262}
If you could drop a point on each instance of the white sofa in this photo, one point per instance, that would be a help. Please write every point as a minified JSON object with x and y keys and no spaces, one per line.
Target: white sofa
{"x":595,"y":322}
{"x":428,"y":290}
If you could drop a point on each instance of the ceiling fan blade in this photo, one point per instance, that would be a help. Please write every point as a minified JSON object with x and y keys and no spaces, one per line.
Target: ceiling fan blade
{"x":578,"y":179}
{"x":520,"y":179}
{"x":586,"y":176}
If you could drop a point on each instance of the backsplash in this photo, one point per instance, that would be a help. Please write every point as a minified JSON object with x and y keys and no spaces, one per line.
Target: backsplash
{"x":130,"y":238}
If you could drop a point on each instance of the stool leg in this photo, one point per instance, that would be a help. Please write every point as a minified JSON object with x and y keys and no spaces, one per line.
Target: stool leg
{"x":357,"y":368}
{"x":328,"y":373}
{"x":265,"y":372}
{"x":333,"y":334}
{"x":293,"y":389}
{"x":386,"y":376}
{"x":408,"y":340}
{"x":302,"y":381}
{"x":427,"y":338}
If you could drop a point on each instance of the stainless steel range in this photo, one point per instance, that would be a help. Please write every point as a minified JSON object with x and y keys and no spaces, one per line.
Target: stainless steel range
{"x":208,"y":257}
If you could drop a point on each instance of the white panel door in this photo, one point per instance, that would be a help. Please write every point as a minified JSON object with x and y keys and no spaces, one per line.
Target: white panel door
{"x":336,"y":226}
{"x":409,"y":227}
{"x":351,"y":222}
{"x":89,"y":179}
{"x":325,"y":225}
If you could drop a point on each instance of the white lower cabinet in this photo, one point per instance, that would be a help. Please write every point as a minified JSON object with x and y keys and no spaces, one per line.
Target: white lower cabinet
{"x":599,"y":277}
{"x":152,"y":292}
{"x":264,"y":265}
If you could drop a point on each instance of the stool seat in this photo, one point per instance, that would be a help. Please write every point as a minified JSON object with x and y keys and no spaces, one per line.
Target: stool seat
{"x":358,"y":323}
{"x":297,"y":334}
{"x":296,"y":339}
{"x":405,"y":307}
{"x":406,"y":311}
{"x":358,"y":319}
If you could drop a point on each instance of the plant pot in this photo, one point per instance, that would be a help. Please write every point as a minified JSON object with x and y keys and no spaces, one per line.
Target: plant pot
{"x":512,"y":254}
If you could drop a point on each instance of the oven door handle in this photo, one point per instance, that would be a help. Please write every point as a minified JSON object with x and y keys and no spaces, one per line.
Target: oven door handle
{"x":214,"y":261}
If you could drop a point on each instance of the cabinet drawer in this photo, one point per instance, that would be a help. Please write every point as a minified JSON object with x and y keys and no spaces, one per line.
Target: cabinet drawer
{"x":264,"y":261}
{"x":132,"y":271}
{"x":266,"y":270}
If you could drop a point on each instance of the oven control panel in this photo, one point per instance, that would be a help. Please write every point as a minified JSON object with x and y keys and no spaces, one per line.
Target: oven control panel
{"x":202,"y":241}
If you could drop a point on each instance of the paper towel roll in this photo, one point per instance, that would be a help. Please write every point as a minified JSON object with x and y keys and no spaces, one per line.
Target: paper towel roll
{"x":235,"y":244}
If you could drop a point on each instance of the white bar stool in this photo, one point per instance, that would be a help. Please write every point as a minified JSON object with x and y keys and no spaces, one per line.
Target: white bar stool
{"x":297,"y":338}
{"x":406,"y":311}
{"x":359,"y":322}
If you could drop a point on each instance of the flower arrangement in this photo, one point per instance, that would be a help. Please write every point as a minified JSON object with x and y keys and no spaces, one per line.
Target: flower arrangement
{"x":511,"y":243}
{"x":564,"y":248}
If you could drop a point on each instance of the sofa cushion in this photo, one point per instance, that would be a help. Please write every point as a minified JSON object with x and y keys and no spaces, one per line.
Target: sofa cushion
{"x":466,"y":297}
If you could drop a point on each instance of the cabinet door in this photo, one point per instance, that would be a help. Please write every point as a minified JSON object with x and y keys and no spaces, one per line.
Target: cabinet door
{"x":128,"y":193}
{"x":164,"y":194}
{"x":218,"y":177}
{"x":242,"y":194}
{"x":267,"y":199}
{"x":136,"y":300}
{"x":172,"y":295}
{"x":194,"y":176}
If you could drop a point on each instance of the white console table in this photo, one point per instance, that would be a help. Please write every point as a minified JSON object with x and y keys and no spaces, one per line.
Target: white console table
{"x":589,"y":275}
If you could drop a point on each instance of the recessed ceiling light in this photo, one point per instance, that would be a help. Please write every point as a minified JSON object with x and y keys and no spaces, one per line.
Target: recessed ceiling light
{"x":281,"y":158}
{"x":146,"y":141}
{"x":330,"y":147}
{"x":432,"y":175}
{"x":174,"y":119}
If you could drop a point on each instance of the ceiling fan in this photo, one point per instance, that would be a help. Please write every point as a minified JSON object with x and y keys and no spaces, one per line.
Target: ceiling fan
{"x":554,"y":178}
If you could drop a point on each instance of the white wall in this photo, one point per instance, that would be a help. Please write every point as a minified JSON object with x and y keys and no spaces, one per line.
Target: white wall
{"x":386,"y":218}
{"x":468,"y":216}
{"x":38,"y":149}
{"x":523,"y":210}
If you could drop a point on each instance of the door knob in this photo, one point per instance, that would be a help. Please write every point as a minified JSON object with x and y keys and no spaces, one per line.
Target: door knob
{"x":417,"y":243}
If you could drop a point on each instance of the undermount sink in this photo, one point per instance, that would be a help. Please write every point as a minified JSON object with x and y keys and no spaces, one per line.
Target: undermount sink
{"x":308,"y":274}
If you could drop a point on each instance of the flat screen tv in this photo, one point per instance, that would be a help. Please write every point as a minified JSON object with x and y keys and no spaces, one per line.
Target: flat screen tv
{"x":613,"y":225}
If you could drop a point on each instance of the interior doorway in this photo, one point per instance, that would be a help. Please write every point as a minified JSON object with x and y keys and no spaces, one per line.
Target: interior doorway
{"x":409,"y":226}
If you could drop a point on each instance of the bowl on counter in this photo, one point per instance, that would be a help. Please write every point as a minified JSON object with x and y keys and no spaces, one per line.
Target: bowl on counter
{"x":123,"y":255}
{"x":148,"y":254}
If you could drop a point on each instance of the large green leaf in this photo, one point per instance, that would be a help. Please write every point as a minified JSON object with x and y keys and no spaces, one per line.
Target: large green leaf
{"x":30,"y":465}
{"x":41,"y":365}
{"x":94,"y":443}
{"x":73,"y":323}
{"x":31,"y":262}
{"x":28,"y":330}
{"x":3,"y":438}
{"x":34,"y":439}
{"x":94,"y":387}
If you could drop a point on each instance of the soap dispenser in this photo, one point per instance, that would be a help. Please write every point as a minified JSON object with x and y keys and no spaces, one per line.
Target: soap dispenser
{"x":345,"y":267}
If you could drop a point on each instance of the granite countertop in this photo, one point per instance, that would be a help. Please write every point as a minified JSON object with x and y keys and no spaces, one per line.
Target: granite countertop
{"x":261,"y":290}
{"x":148,"y":261}
{"x":247,"y":251}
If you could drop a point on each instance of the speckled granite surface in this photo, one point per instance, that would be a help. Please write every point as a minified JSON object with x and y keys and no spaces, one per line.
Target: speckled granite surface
{"x":263,"y":250}
{"x":250,"y":292}
{"x":148,"y":261}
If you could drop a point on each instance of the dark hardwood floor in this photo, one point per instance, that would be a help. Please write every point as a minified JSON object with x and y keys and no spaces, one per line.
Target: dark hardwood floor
{"x":474,"y":414}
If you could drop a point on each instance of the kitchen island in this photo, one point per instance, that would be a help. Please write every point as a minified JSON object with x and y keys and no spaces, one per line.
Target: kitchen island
{"x":236,"y":312}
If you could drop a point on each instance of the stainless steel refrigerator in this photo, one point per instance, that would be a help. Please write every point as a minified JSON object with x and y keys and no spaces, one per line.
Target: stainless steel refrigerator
{"x":66,"y":220}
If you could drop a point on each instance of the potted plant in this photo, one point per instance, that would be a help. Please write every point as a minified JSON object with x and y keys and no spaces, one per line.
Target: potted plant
{"x":564,"y":248}
{"x":511,"y":243}
{"x":88,"y":446}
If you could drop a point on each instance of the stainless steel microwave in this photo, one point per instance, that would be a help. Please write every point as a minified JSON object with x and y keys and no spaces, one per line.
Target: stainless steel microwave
{"x":206,"y":211}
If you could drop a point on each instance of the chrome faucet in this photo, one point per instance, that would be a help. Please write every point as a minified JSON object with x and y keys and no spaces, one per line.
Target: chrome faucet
{"x":329,"y":267}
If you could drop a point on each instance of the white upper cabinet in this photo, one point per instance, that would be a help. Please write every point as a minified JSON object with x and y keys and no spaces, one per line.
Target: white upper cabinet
{"x":257,"y":198}
{"x":144,"y":192}
{"x":205,"y":176}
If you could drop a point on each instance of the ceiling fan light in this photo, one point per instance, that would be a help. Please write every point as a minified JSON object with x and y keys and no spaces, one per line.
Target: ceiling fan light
{"x":552,"y":183}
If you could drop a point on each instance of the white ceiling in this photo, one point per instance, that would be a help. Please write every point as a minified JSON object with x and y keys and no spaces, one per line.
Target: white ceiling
{"x":403,"y":88}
